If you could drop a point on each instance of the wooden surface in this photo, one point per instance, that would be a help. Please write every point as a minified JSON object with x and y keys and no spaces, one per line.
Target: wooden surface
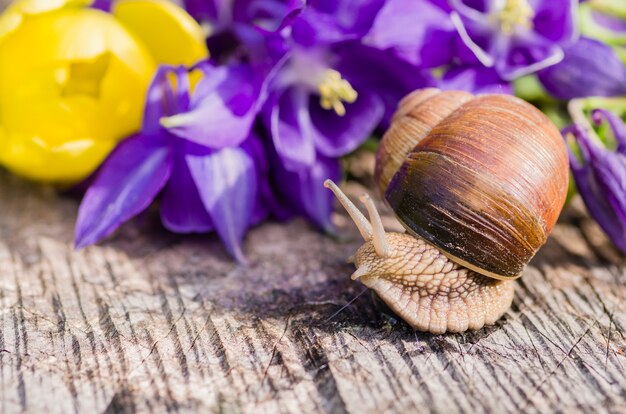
{"x":154,"y":322}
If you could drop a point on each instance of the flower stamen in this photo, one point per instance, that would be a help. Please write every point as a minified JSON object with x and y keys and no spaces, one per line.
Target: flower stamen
{"x":334,"y":91}
{"x":515,"y":13}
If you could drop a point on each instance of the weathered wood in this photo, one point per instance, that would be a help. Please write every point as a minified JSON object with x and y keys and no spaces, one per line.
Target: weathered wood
{"x":154,"y":322}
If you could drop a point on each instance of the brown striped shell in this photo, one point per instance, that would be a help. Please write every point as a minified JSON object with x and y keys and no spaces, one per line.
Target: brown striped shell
{"x":483,"y":177}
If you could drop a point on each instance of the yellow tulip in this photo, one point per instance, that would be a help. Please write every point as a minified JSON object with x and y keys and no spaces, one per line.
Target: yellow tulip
{"x":73,"y":80}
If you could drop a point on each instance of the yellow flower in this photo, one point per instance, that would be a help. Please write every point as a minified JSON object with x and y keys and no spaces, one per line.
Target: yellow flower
{"x":73,"y":79}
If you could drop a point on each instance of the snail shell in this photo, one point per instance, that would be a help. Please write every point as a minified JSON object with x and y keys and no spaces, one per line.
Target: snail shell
{"x":483,"y":178}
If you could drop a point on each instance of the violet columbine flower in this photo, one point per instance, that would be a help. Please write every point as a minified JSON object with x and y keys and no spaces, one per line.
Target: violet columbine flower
{"x":326,"y":96}
{"x":194,"y":150}
{"x":516,"y":37}
{"x":589,"y":68}
{"x":422,"y":33}
{"x":600,"y":175}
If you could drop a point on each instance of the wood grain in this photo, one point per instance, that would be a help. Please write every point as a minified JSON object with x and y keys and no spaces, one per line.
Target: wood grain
{"x":154,"y":322}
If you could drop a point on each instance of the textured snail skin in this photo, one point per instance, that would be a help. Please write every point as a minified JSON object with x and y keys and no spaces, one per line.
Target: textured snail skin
{"x":478,"y":182}
{"x":427,"y":290}
{"x":485,"y":180}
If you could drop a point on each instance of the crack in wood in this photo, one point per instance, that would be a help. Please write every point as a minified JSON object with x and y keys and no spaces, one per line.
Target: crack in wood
{"x":153,"y":322}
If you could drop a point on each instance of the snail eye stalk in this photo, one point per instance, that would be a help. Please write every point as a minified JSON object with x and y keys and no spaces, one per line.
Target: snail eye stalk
{"x":378,"y":237}
{"x":364,"y":226}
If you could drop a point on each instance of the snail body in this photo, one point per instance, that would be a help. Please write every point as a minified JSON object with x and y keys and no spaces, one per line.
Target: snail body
{"x":478,"y":182}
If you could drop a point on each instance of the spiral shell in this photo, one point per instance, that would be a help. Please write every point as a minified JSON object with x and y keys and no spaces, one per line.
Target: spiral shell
{"x":483,"y":178}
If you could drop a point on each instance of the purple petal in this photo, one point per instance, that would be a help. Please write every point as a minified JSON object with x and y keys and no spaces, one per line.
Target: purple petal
{"x":183,"y":99}
{"x":313,"y":28}
{"x":589,"y":68}
{"x":160,"y":101}
{"x":555,"y":20}
{"x":266,"y":201}
{"x":261,"y":48}
{"x":205,"y":10}
{"x":463,"y":55}
{"x":601,"y":182}
{"x":475,"y":79}
{"x":336,"y":136}
{"x":418,"y":31}
{"x":388,"y":77}
{"x":289,"y":121}
{"x":599,"y":209}
{"x":524,"y":50}
{"x":182,"y":210}
{"x":609,"y":21}
{"x":316,"y":202}
{"x":476,"y":11}
{"x":331,"y":21}
{"x":303,"y":191}
{"x":104,"y":5}
{"x":471,"y":6}
{"x":610,"y":171}
{"x":526,"y":55}
{"x":227,"y":183}
{"x":223,"y":107}
{"x":442,"y":4}
{"x":268,"y":15}
{"x":127,"y":183}
{"x":478,"y":38}
{"x":199,"y":9}
{"x":617,"y":126}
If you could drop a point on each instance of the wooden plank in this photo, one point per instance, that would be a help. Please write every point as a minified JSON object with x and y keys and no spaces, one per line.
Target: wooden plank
{"x":154,"y":322}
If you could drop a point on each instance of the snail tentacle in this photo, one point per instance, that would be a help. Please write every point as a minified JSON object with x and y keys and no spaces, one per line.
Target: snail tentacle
{"x":418,"y":282}
{"x":478,"y":182}
{"x":364,"y":226}
{"x":378,"y":236}
{"x":361,"y":271}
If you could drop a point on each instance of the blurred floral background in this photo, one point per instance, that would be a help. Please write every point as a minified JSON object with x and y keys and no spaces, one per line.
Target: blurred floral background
{"x":230,"y":112}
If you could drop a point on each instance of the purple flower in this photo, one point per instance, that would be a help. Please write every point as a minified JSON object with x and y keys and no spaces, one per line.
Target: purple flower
{"x":609,"y":22}
{"x":301,"y":191}
{"x":104,"y":5}
{"x":516,"y":37}
{"x":194,"y":150}
{"x":332,"y":21}
{"x":589,"y":68}
{"x":221,"y":15}
{"x":245,"y":29}
{"x":419,"y":31}
{"x":475,"y":79}
{"x":327,"y":95}
{"x":600,"y":175}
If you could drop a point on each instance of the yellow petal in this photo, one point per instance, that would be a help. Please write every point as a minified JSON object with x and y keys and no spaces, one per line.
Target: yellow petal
{"x":43,"y":6}
{"x":12,"y":17}
{"x":9,"y":21}
{"x":34,"y":158}
{"x":171,"y":35}
{"x":73,"y":84}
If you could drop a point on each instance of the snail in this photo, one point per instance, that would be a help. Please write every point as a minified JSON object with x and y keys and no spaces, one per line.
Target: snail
{"x":478,"y":182}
